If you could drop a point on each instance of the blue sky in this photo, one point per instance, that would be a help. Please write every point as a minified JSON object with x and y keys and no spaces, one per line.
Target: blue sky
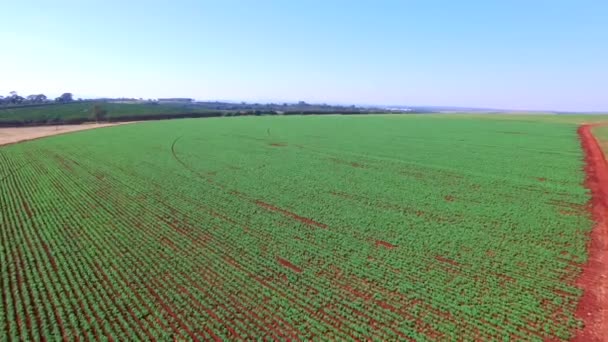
{"x":502,"y":54}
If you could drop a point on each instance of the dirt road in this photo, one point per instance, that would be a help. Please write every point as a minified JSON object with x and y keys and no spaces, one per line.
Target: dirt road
{"x":593,"y":307}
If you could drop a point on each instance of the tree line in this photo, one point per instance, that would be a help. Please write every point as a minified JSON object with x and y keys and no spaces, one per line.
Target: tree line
{"x":14,"y":99}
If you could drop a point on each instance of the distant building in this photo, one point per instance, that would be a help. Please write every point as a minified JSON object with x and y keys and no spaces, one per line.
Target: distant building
{"x":176,"y":100}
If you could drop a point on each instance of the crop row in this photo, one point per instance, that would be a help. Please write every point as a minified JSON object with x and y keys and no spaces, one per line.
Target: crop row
{"x":206,"y":237}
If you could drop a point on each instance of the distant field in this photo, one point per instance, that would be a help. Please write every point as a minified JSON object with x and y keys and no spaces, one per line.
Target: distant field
{"x":82,"y":111}
{"x":548,"y":117}
{"x":336,"y":227}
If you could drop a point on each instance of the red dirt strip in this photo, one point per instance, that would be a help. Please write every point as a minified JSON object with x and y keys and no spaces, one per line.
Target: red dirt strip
{"x":385,"y":244}
{"x":593,"y":307}
{"x":288,"y":264}
{"x":305,"y":220}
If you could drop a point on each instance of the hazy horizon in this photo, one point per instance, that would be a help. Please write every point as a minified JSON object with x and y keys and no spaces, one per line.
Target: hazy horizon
{"x":516,"y":55}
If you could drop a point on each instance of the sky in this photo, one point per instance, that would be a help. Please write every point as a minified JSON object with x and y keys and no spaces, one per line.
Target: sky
{"x":510,"y":54}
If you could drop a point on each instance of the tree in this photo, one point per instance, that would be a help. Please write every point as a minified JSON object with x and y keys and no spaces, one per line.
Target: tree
{"x":99,"y":113}
{"x":39,"y":98}
{"x":65,"y":98}
{"x":14,"y":98}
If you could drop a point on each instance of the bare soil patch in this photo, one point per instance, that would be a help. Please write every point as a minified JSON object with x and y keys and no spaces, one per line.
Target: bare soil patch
{"x":593,"y":307}
{"x":12,"y":135}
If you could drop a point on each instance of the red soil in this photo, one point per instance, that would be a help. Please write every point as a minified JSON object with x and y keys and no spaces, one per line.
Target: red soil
{"x":172,"y":315}
{"x":385,"y":244}
{"x":295,"y":216}
{"x":593,"y":307}
{"x":169,"y":243}
{"x":446,"y":260}
{"x":289,"y":265}
{"x":49,"y":255}
{"x":26,"y":207}
{"x":278,"y":144}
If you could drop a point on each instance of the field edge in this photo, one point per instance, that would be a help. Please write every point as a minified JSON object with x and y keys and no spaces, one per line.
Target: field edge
{"x":593,"y":305}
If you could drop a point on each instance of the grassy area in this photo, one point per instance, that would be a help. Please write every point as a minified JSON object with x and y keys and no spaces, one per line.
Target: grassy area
{"x":335,"y":227}
{"x":78,"y":112}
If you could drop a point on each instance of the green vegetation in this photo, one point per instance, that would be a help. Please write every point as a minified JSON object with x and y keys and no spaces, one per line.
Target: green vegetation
{"x":548,"y":117}
{"x":78,"y":112}
{"x":335,"y":227}
{"x":86,"y":111}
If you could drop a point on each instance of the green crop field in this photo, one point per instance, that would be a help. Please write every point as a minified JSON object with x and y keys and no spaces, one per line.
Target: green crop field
{"x":328,"y":228}
{"x":78,"y":112}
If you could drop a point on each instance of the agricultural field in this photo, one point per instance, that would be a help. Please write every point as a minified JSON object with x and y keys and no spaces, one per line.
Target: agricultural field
{"x":79,"y":112}
{"x":416,"y":228}
{"x":82,"y":111}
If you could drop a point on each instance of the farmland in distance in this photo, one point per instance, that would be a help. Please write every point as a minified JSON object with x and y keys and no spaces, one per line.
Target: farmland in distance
{"x":335,"y":227}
